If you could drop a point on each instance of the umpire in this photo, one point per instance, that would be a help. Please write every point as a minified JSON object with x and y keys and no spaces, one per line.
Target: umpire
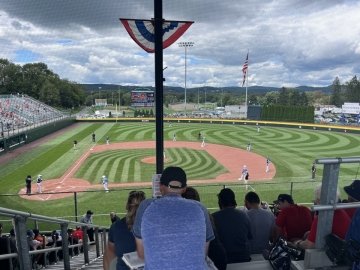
{"x":28,"y":181}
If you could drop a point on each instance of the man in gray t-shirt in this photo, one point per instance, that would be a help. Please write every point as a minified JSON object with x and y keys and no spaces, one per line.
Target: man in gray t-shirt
{"x":262,"y":223}
{"x":172,"y":232}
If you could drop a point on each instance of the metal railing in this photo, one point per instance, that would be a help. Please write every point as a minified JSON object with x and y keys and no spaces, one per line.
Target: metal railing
{"x":23,"y":250}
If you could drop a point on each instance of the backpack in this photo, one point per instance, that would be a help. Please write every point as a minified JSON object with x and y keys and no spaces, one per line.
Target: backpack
{"x":281,"y":254}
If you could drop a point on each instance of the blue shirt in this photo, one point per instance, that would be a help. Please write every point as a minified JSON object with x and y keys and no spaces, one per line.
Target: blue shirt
{"x":174,"y":231}
{"x":124,"y":241}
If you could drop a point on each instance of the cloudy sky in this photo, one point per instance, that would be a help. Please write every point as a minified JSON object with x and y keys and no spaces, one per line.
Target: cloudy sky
{"x":290,"y":42}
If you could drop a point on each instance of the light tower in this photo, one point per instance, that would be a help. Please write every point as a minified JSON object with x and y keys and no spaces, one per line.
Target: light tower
{"x":185,"y":45}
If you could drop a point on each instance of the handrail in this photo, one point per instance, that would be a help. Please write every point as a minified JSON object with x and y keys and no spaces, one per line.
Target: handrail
{"x":13,"y":213}
{"x":335,"y":206}
{"x":19,"y":219}
{"x":337,"y":160}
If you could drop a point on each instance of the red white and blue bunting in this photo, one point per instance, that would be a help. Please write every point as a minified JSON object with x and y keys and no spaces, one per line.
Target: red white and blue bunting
{"x":143,"y":32}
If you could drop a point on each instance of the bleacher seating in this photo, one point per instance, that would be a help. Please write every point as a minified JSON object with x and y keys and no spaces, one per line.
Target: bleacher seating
{"x":19,"y":111}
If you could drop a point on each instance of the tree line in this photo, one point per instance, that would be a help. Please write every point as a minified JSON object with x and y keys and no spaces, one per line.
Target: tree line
{"x":39,"y":82}
{"x":349,"y":92}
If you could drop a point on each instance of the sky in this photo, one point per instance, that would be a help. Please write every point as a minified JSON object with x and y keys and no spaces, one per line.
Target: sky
{"x":290,"y":42}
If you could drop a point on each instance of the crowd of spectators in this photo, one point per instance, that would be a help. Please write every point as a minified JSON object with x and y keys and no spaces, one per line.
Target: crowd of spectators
{"x":18,"y":111}
{"x":176,"y":232}
{"x":37,"y":241}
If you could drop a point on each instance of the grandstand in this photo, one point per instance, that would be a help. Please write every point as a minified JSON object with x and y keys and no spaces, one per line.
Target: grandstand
{"x":21,"y":111}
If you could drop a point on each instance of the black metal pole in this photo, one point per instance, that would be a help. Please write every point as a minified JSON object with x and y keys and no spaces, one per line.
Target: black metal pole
{"x":76,"y":208}
{"x":159,"y":86}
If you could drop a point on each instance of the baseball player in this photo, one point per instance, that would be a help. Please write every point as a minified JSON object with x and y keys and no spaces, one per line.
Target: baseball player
{"x":105,"y":182}
{"x":313,"y":171}
{"x":93,"y":137}
{"x":267,"y":165}
{"x":75,"y":144}
{"x":174,"y":137}
{"x":244,"y":172}
{"x":28,"y":181}
{"x":39,"y":183}
{"x":248,"y":147}
{"x":203,"y":142}
{"x":258,"y":129}
{"x":107,"y":140}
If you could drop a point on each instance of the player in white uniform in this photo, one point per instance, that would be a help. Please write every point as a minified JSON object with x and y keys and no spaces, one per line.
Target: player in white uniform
{"x":203,"y":142}
{"x":248,"y":148}
{"x":267,"y":165}
{"x":39,"y":183}
{"x":244,"y":172}
{"x":105,"y":182}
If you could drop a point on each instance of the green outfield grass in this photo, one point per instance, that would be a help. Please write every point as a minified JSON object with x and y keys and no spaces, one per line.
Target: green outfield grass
{"x":291,"y":150}
{"x":125,"y":166}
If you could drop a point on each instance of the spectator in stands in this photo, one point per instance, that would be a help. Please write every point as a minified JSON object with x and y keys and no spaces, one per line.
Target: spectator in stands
{"x":113,"y":217}
{"x":262,"y":223}
{"x":217,"y":251}
{"x":33,"y":244}
{"x":121,"y":238}
{"x":351,"y":190}
{"x":341,"y":222}
{"x":41,"y":239}
{"x":172,"y":232}
{"x":78,"y":233}
{"x":293,"y":220}
{"x":38,"y":236}
{"x":353,"y":233}
{"x":87,"y":218}
{"x":233,"y":227}
{"x":4,"y":264}
{"x":191,"y":193}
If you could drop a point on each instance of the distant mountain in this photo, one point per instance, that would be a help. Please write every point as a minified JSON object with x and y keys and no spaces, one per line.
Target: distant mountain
{"x":234,"y":89}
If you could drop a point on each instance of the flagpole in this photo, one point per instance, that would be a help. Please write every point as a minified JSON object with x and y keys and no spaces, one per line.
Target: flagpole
{"x":246,"y":91}
{"x":245,"y":72}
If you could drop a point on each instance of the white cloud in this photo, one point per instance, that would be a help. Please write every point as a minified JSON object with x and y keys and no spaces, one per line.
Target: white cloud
{"x":290,"y":42}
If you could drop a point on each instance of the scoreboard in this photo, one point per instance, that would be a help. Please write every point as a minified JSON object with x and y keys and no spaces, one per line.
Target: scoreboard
{"x":142,"y":98}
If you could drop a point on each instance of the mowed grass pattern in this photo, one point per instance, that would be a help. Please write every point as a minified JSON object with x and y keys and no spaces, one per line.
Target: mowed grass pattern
{"x":126,"y":166}
{"x":291,"y":150}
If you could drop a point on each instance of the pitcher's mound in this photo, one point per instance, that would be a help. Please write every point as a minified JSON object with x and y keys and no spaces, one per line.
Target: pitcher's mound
{"x":152,"y":160}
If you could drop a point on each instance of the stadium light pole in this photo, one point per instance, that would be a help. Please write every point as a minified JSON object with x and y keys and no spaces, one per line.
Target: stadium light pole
{"x":185,"y":45}
{"x":99,"y":92}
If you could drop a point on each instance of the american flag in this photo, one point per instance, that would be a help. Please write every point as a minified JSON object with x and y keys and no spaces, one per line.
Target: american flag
{"x":245,"y":68}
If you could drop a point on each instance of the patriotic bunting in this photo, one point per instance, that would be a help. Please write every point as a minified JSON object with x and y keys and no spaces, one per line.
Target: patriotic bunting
{"x":143,"y":32}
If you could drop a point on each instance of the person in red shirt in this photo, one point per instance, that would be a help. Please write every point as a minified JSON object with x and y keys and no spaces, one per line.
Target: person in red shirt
{"x":293,"y":220}
{"x":78,"y":233}
{"x":341,"y":222}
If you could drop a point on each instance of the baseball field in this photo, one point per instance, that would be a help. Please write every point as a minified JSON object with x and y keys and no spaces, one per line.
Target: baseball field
{"x":128,"y":161}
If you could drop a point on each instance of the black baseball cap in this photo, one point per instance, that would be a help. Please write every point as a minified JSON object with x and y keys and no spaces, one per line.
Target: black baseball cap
{"x":173,"y":177}
{"x":353,"y":190}
{"x":89,"y":212}
{"x":284,"y":197}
